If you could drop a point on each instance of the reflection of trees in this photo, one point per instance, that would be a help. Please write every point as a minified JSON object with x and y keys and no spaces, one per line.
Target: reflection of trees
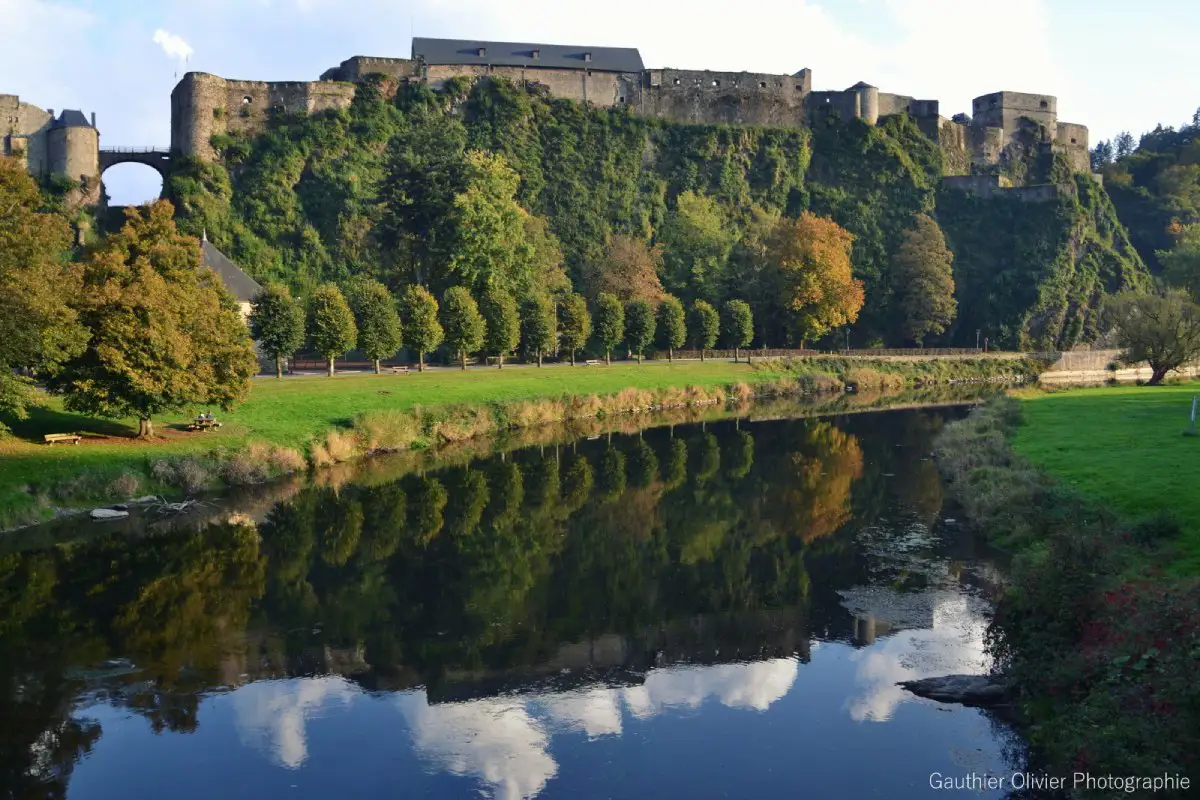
{"x":483,"y":566}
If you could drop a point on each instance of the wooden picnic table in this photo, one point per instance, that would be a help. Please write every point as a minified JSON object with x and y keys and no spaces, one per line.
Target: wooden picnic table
{"x":62,"y":438}
{"x":201,"y":424}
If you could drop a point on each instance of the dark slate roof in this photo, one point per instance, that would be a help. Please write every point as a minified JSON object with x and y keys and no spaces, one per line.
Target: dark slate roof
{"x":860,"y":85}
{"x":71,"y":118}
{"x":243,"y":287}
{"x":521,"y":54}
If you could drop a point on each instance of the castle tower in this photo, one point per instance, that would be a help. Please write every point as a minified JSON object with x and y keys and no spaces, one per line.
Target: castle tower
{"x":868,"y":102}
{"x":73,"y":145}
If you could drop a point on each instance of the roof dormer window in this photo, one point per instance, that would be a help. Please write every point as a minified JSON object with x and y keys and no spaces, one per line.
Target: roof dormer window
{"x":587,"y":56}
{"x":482,"y":52}
{"x":537,"y":54}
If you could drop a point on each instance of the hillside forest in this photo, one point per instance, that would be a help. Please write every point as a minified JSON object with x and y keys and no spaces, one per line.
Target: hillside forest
{"x":488,"y":184}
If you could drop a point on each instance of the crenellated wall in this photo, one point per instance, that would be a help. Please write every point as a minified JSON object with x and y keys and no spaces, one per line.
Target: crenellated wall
{"x":727,"y":98}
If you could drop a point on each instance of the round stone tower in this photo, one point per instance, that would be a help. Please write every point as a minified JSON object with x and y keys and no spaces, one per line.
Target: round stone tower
{"x":868,"y":102}
{"x":74,"y":151}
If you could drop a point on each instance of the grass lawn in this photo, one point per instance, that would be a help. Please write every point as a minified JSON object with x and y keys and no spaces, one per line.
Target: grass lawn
{"x":291,"y":411}
{"x":1124,"y":444}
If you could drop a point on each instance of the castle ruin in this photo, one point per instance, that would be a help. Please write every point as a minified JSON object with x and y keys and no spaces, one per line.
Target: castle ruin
{"x":1003,"y":127}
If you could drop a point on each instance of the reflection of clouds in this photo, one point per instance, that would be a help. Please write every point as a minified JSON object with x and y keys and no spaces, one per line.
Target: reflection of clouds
{"x":596,"y":712}
{"x":504,"y":742}
{"x":495,"y":739}
{"x":953,"y":645}
{"x":755,"y":685}
{"x":271,"y":715}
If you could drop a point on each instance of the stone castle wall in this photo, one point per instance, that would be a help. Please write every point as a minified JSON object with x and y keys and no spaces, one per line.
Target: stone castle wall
{"x":24,"y":131}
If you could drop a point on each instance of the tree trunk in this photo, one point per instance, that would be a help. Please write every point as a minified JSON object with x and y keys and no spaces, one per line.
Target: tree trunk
{"x":462,"y":356}
{"x":145,"y":428}
{"x":748,"y":356}
{"x":701,"y":353}
{"x":1156,"y":375}
{"x":420,"y":362}
{"x":670,"y":355}
{"x":572,"y":358}
{"x":539,"y":357}
{"x":608,"y":357}
{"x":639,"y":358}
{"x":736,"y":355}
{"x":377,"y":366}
{"x":500,"y":361}
{"x":279,"y":366}
{"x":331,"y":367}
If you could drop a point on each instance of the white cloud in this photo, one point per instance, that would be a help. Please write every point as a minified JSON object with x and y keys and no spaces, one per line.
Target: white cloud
{"x":173,"y":45}
{"x":272,"y":716}
{"x":755,"y":685}
{"x":596,"y":712}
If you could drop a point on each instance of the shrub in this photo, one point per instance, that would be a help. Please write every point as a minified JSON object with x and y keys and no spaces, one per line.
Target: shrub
{"x":339,"y":445}
{"x":125,"y":485}
{"x":389,"y":430}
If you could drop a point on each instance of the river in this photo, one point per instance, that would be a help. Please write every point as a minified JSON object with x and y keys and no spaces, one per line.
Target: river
{"x":717,"y":609}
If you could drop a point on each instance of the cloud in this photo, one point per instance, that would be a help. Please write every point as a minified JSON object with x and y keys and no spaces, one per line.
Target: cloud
{"x":173,"y":45}
{"x":272,"y":716}
{"x":755,"y":685}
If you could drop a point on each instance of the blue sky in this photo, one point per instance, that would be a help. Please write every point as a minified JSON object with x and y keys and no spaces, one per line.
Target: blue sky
{"x":1113,"y":65}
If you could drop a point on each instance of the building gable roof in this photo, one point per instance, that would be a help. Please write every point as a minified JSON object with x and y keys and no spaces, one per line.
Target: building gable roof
{"x":241,"y":285}
{"x":522,"y":54}
{"x":71,"y":118}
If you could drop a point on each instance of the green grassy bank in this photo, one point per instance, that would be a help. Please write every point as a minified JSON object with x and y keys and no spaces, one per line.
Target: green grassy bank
{"x":1099,"y":624}
{"x":1123,"y":445}
{"x":287,"y":424}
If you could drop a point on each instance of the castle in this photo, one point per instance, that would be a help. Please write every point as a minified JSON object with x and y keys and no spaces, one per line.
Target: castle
{"x":1004,"y":126}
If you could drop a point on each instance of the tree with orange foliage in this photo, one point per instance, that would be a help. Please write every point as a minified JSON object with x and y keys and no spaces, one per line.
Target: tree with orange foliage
{"x":812,"y":255}
{"x":628,"y":269}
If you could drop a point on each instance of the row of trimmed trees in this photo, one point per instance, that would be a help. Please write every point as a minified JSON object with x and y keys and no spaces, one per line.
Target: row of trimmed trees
{"x":367,"y":317}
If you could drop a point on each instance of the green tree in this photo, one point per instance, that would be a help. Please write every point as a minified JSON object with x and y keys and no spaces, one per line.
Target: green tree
{"x":923,"y":280}
{"x":739,"y":325}
{"x":627,"y":268}
{"x":609,"y":321}
{"x":422,"y":329}
{"x":672,"y":325}
{"x":1181,"y":264}
{"x":539,"y":327}
{"x":38,"y":327}
{"x":503,"y":322}
{"x":277,"y":323}
{"x":490,"y":245}
{"x":1162,"y":330}
{"x":332,"y":331}
{"x":706,"y":325}
{"x":379,"y":329}
{"x":639,"y":326}
{"x":575,"y":326}
{"x":164,"y":334}
{"x":462,"y":322}
{"x":696,"y":245}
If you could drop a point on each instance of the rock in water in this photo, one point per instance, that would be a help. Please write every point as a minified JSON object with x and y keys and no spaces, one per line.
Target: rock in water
{"x":969,"y":690}
{"x":108,"y":513}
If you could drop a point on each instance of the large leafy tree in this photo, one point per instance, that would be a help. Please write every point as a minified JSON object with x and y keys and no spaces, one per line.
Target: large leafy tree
{"x":164,"y":334}
{"x":379,"y":328}
{"x":503,"y":322}
{"x":575,"y":323}
{"x":739,"y":325}
{"x":672,"y":325}
{"x":812,"y":256}
{"x":628,"y":268}
{"x":490,"y":245}
{"x":1161,"y":330}
{"x":38,"y":327}
{"x":706,"y":326}
{"x":1181,"y":263}
{"x":923,"y":280}
{"x":332,"y":330}
{"x":277,"y":323}
{"x":419,"y":310}
{"x":609,"y":323}
{"x":539,"y":326}
{"x":697,"y":242}
{"x":463,"y":324}
{"x":639,"y":326}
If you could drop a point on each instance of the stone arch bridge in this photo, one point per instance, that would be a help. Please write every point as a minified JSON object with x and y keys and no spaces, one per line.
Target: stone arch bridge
{"x":158,"y":158}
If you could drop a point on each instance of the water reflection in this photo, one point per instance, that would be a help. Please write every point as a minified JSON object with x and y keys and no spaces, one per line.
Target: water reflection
{"x":500,"y":608}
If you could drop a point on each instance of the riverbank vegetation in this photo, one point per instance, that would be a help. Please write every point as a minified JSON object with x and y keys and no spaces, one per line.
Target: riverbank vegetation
{"x":1099,"y":626}
{"x":288,"y":424}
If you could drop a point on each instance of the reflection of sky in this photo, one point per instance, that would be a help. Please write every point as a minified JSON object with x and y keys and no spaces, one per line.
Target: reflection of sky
{"x":504,"y":742}
{"x":272,"y":715}
{"x":953,"y":645}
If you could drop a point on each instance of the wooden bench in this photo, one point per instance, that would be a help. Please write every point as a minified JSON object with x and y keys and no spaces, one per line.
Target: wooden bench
{"x":62,"y":438}
{"x":592,"y":362}
{"x":399,"y":370}
{"x":203,"y":425}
